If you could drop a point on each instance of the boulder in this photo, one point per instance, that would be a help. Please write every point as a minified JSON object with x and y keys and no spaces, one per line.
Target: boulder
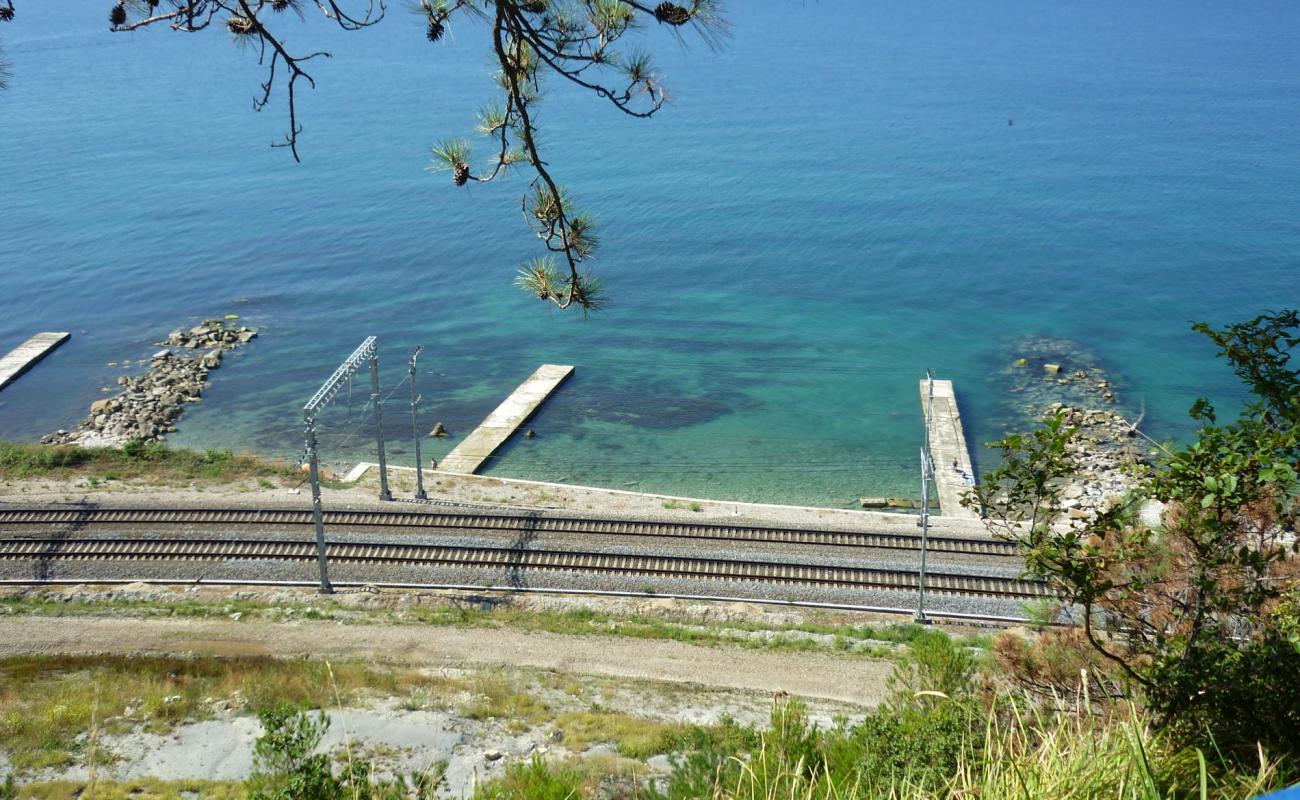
{"x":1051,"y":369}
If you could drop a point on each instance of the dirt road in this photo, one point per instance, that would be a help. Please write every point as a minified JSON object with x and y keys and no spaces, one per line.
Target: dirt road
{"x":812,"y":675}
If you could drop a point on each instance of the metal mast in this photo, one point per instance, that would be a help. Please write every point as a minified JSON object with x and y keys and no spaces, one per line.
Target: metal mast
{"x":927,"y":478}
{"x":415,"y":430}
{"x":324,"y":395}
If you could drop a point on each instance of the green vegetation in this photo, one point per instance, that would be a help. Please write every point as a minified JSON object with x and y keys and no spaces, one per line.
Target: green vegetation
{"x":535,"y":780}
{"x":497,"y":698}
{"x":286,"y":766}
{"x":1192,"y":617}
{"x":640,"y":738}
{"x":945,"y":732}
{"x":136,"y":460}
{"x":139,"y":789}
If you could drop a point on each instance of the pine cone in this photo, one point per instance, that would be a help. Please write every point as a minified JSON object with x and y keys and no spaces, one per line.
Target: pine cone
{"x":672,"y":14}
{"x":534,"y":6}
{"x":460,"y":174}
{"x":6,"y":13}
{"x":435,"y":31}
{"x":240,"y":26}
{"x":117,"y":16}
{"x":279,"y":5}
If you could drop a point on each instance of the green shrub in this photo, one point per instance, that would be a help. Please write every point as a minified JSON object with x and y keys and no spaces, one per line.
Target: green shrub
{"x":534,"y":780}
{"x":933,"y":662}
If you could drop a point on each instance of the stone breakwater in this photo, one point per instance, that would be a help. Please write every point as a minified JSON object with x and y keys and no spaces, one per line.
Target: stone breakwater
{"x":1109,"y":456}
{"x":149,"y":405}
{"x":1060,"y":376}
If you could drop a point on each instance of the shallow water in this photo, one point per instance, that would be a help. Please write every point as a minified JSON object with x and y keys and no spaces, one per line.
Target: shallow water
{"x":833,"y":203}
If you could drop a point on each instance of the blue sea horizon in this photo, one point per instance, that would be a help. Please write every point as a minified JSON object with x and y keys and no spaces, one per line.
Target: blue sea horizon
{"x":834,"y":202}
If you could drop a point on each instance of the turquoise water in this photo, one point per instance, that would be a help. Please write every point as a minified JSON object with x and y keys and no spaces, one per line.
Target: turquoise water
{"x":833,"y":203}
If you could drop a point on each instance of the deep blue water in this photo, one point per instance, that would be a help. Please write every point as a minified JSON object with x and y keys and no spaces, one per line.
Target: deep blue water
{"x":834,"y":202}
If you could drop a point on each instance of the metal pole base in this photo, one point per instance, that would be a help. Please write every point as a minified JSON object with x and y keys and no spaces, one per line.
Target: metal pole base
{"x":921,"y":619}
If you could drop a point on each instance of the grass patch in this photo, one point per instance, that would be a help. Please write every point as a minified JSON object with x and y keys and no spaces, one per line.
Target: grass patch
{"x":640,"y":738}
{"x":631,"y":736}
{"x":135,"y":460}
{"x":494,"y":697}
{"x":142,"y":789}
{"x":47,"y":704}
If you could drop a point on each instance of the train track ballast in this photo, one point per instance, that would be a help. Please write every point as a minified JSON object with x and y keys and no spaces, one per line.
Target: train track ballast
{"x":506,"y":522}
{"x":504,"y":558}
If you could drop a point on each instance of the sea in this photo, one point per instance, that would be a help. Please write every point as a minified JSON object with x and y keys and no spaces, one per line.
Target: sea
{"x":840,"y":196}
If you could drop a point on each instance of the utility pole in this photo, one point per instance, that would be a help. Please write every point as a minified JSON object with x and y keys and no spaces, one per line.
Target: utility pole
{"x":384,"y":494}
{"x":317,"y":515}
{"x":323,"y":397}
{"x":415,"y":430}
{"x":927,"y":478}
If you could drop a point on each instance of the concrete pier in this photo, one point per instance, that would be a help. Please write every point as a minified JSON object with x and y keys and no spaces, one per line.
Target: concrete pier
{"x":470,"y":454}
{"x":948,"y":448}
{"x":24,"y":356}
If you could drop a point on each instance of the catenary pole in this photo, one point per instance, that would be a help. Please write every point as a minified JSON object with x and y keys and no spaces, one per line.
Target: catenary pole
{"x":927,"y":476}
{"x":415,"y":430}
{"x":318,"y":517}
{"x":323,"y":397}
{"x":384,"y":494}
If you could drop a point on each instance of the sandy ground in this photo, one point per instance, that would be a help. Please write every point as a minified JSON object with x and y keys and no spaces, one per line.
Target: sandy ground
{"x":814,"y":675}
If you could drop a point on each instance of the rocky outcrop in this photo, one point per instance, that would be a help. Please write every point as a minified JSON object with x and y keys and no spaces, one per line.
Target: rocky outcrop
{"x":149,"y":405}
{"x":1058,"y":375}
{"x":1109,"y":456}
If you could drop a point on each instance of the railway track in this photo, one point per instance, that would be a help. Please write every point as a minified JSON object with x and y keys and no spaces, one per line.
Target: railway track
{"x":506,"y":523}
{"x":512,"y":559}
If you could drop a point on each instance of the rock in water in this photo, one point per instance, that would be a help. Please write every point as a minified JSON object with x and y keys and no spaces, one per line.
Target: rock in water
{"x":148,"y":406}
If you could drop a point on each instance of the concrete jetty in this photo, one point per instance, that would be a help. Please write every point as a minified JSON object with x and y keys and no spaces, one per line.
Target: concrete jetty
{"x":470,"y":454}
{"x":954,"y":474}
{"x":24,"y":356}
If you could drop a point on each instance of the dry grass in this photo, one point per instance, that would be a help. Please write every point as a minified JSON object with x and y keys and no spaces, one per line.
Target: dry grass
{"x":494,"y":697}
{"x":47,"y":704}
{"x":633,"y":737}
{"x":143,"y":789}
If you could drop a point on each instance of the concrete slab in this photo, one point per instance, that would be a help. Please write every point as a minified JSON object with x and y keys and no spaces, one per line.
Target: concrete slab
{"x":954,"y":473}
{"x":25,"y":355}
{"x":478,"y":447}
